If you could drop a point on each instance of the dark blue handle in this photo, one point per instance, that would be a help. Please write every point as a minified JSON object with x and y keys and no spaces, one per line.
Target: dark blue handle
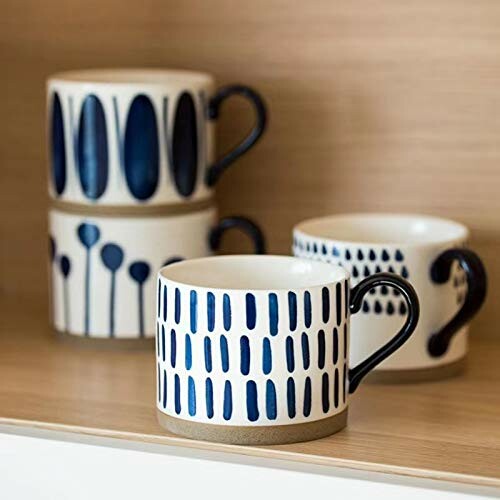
{"x":216,"y":170}
{"x":246,"y":225}
{"x":476,"y":293}
{"x":357,"y":373}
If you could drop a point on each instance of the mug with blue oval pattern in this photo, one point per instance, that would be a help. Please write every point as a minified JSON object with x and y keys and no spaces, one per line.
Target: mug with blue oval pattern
{"x":139,"y":136}
{"x":102,"y":269}
{"x":430,"y":252}
{"x":255,"y":349}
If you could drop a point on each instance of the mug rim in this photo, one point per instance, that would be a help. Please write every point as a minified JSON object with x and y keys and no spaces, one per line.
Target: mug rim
{"x":336,"y":273}
{"x":455,"y":230}
{"x":156,"y":77}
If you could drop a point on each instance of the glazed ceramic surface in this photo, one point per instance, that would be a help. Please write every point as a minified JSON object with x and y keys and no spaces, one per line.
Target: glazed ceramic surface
{"x":410,"y":246}
{"x":256,"y":341}
{"x":103,"y":269}
{"x":138,"y":137}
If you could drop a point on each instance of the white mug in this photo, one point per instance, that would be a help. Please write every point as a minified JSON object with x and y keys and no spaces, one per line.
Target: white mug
{"x":430,"y":252}
{"x":102,"y":269}
{"x":255,"y":349}
{"x":139,"y":137}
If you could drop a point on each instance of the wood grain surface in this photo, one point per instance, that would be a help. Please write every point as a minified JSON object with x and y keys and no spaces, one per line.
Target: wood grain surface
{"x":383,"y":105}
{"x":445,"y":430}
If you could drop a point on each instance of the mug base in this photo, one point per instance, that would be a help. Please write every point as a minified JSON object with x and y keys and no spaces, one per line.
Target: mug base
{"x":417,"y":375}
{"x":257,"y":435}
{"x":129,"y":344}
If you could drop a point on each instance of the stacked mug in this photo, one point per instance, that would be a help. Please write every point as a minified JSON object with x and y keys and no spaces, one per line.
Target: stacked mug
{"x":132,"y":171}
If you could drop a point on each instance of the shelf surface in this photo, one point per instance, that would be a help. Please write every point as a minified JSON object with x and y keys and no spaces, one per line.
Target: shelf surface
{"x":447,"y":430}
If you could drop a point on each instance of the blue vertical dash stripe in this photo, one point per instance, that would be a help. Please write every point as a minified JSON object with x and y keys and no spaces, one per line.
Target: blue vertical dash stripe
{"x":164,"y":388}
{"x":306,"y":361}
{"x":307,"y":309}
{"x":335,"y":353}
{"x":177,"y":394}
{"x":163,"y":349}
{"x":209,"y":397}
{"x":228,"y":401}
{"x":338,"y":298}
{"x":321,"y":349}
{"x":224,"y":354}
{"x":244,"y":355}
{"x":292,"y":310}
{"x":252,"y":407}
{"x":226,"y":311}
{"x":193,"y":310}
{"x":290,"y":397}
{"x":336,"y":388}
{"x":191,"y":397}
{"x":290,"y":357}
{"x":188,"y":353}
{"x":210,"y":311}
{"x":177,"y":305}
{"x":346,"y":298}
{"x":345,"y":340}
{"x":173,"y":348}
{"x":273,"y":314}
{"x":158,"y":353}
{"x":165,"y":303}
{"x":325,"y":397}
{"x":158,"y":371}
{"x":271,"y":407}
{"x":344,"y":383}
{"x":251,"y":311}
{"x":207,"y":344}
{"x":267,"y":359}
{"x":325,"y":296}
{"x":307,"y":397}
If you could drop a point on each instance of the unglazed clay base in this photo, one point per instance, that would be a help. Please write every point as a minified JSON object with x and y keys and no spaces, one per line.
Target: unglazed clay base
{"x":257,"y":435}
{"x":106,"y":342}
{"x":417,"y":375}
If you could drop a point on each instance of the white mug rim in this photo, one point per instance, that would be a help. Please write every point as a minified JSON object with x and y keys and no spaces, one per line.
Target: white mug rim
{"x":331,"y":274}
{"x":457,"y":232}
{"x":136,"y":77}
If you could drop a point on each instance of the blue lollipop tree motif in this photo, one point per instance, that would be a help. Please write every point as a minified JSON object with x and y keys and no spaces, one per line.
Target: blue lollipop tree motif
{"x":112,"y":258}
{"x":89,"y":235}
{"x":139,"y":272}
{"x":65,"y":268}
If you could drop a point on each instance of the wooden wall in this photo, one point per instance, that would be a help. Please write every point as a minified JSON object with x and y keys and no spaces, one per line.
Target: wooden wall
{"x":375,"y":105}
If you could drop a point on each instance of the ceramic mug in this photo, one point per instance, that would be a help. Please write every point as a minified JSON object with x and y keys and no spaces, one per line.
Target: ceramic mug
{"x":430,"y":252}
{"x":139,"y":136}
{"x":102,"y":269}
{"x":255,"y":349}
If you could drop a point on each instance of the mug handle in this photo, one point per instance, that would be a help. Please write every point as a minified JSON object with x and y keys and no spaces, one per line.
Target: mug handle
{"x":476,"y":293}
{"x":215,"y":171}
{"x":357,"y":373}
{"x":244,"y":224}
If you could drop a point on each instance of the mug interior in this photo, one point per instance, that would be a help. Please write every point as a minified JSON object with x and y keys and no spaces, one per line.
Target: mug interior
{"x":373,"y":229}
{"x":253,"y":272}
{"x":133,"y":76}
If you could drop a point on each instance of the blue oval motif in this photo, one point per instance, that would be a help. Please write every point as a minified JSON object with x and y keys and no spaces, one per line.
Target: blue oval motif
{"x":141,"y":150}
{"x":92,"y":148}
{"x":185,"y":145}
{"x":58,"y":146}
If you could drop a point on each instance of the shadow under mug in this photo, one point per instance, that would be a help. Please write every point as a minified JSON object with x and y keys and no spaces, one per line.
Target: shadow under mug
{"x":255,"y":349}
{"x":450,"y":281}
{"x":102,"y":269}
{"x":139,"y":136}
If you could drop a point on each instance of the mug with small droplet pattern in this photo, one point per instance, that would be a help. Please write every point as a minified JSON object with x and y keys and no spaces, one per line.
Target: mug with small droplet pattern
{"x":255,"y":349}
{"x":450,"y":281}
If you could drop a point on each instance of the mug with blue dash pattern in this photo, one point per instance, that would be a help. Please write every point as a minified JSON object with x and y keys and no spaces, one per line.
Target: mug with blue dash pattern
{"x":255,"y":349}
